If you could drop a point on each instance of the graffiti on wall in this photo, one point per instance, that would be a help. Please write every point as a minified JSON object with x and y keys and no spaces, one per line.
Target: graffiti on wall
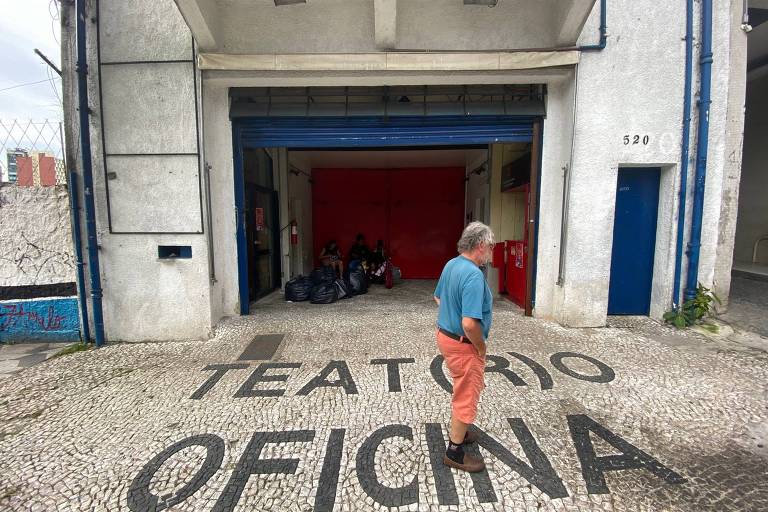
{"x":45,"y":319}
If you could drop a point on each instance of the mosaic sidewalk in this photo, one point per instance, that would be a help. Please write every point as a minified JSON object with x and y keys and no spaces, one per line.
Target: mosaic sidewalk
{"x":15,"y":357}
{"x":351,"y":414}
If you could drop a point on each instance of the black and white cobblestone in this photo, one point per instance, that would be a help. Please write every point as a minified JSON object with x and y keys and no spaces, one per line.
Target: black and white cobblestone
{"x":78,"y":432}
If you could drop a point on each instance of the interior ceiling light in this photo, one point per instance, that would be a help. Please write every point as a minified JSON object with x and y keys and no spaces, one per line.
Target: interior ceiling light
{"x":278,"y":3}
{"x":489,"y":3}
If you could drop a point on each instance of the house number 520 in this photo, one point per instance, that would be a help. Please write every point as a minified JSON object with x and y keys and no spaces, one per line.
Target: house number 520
{"x":636,"y":139}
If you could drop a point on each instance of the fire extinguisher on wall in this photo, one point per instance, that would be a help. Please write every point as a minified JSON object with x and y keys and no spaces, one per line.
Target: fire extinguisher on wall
{"x":294,"y":233}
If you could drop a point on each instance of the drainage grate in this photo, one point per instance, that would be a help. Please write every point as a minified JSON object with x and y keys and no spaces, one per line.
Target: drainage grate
{"x":262,"y":347}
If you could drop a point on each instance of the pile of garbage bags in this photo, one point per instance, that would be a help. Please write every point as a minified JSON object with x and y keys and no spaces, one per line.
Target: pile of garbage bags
{"x":323,"y":287}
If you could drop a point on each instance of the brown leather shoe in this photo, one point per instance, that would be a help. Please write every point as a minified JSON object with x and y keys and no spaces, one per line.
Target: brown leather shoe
{"x":471,"y":464}
{"x":470,"y":437}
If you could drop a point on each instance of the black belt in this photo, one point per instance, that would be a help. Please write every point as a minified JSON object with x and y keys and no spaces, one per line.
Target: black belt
{"x":456,"y":337}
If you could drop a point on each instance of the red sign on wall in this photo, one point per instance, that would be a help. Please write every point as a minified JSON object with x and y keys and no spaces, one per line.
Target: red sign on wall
{"x":259,"y":217}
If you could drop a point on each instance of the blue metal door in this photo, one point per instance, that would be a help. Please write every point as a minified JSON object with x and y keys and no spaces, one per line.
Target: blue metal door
{"x":634,"y":241}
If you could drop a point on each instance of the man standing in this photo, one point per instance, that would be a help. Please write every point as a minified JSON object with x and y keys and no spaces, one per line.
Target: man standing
{"x":463,"y":324}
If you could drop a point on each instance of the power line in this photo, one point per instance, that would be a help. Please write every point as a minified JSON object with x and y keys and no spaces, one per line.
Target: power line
{"x":28,"y":83}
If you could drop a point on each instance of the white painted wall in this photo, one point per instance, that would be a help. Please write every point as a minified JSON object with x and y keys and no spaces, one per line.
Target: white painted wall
{"x":556,"y":150}
{"x":629,"y":89}
{"x":477,"y":190}
{"x":733,"y":147}
{"x":512,"y":203}
{"x":36,"y":236}
{"x":300,"y":190}
{"x":148,"y":108}
{"x":218,"y":151}
{"x":285,"y":215}
{"x":344,"y":26}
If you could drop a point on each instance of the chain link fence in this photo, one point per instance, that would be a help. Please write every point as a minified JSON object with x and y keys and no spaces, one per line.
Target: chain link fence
{"x":32,"y":153}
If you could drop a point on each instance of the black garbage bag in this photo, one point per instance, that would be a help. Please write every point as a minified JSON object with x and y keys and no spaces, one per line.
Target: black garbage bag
{"x":358,"y":282}
{"x":298,"y":289}
{"x":323,"y":275}
{"x":342,"y":289}
{"x":325,"y":293}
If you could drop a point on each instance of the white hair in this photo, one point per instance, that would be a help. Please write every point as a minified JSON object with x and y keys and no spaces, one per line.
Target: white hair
{"x":474,"y":234}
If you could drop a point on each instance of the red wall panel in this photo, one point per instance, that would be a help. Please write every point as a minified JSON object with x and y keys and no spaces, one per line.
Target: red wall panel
{"x":47,"y":171}
{"x":417,"y":212}
{"x":24,"y":171}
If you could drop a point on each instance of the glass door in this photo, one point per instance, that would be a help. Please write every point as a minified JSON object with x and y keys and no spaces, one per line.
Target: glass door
{"x":262,"y":228}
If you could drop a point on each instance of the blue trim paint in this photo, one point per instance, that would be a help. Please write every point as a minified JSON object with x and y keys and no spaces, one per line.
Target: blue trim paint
{"x":242,"y":250}
{"x":685,"y":152}
{"x":77,"y":241}
{"x":634,"y":241}
{"x":314,"y":132}
{"x":40,"y":320}
{"x":88,"y":190}
{"x":702,"y":146}
{"x":603,"y":30}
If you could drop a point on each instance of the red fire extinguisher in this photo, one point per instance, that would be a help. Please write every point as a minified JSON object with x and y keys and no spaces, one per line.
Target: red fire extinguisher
{"x":294,"y":233}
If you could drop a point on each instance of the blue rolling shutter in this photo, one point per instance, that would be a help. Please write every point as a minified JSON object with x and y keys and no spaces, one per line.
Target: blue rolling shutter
{"x":328,"y":132}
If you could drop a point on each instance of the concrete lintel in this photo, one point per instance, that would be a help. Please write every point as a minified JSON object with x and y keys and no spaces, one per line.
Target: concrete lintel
{"x":219,"y":78}
{"x":385,"y":23}
{"x":193,"y":13}
{"x":573,"y":16}
{"x":476,"y":61}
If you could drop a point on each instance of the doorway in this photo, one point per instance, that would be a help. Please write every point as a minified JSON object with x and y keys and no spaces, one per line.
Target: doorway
{"x":262,"y":228}
{"x":634,"y":241}
{"x":366,"y":119}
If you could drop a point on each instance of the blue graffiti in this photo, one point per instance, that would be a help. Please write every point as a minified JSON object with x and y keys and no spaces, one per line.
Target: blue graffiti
{"x":49,"y":319}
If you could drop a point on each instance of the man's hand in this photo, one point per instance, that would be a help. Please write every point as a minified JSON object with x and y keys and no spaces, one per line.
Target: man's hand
{"x":474,"y":331}
{"x":436,"y":300}
{"x":481,"y":350}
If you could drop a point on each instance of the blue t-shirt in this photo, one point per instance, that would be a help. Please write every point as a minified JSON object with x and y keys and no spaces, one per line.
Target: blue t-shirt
{"x":463,"y":292}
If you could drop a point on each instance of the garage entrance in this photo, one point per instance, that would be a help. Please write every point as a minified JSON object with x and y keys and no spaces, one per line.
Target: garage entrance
{"x":406,"y":167}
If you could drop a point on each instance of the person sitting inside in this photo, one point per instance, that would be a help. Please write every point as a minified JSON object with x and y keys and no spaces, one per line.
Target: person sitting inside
{"x":378,"y":264}
{"x":331,"y":256}
{"x":359,"y":254}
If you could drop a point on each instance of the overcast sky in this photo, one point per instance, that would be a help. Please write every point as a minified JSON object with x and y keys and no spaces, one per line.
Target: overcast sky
{"x":24,"y":26}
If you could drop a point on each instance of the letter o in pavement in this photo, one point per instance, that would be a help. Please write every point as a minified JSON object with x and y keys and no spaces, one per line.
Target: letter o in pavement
{"x":606,"y":372}
{"x":139,"y":497}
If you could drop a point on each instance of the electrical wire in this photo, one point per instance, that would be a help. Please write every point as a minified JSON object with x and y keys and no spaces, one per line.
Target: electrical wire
{"x":28,"y":83}
{"x":55,"y":16}
{"x":49,"y":72}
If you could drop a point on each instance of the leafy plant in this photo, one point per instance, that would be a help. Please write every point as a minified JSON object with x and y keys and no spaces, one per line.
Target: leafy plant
{"x":694,"y":310}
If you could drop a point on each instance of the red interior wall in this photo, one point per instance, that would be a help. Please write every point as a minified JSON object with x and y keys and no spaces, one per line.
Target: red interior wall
{"x":417,"y":212}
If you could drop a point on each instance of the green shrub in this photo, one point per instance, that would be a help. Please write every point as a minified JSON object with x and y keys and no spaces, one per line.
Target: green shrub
{"x":695,"y":310}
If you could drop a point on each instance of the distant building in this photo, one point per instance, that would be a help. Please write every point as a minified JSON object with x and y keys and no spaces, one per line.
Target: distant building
{"x":37,"y":169}
{"x":11,"y":156}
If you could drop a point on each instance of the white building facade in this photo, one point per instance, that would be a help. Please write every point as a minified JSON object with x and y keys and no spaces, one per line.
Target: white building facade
{"x":171,"y":82}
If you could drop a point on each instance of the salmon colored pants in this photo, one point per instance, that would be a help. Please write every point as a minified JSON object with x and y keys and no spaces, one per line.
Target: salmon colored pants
{"x":467,"y":370}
